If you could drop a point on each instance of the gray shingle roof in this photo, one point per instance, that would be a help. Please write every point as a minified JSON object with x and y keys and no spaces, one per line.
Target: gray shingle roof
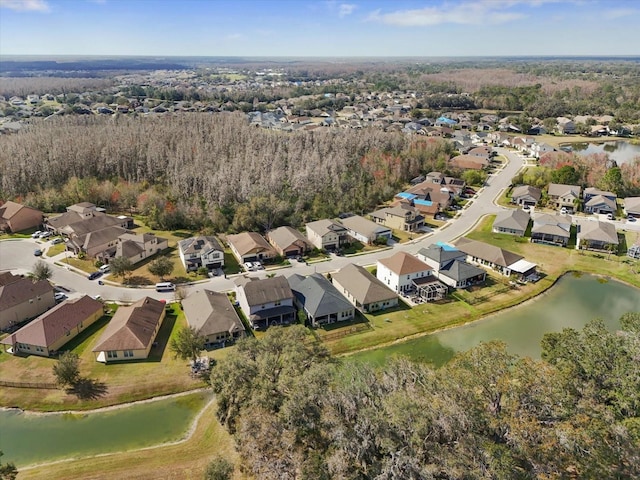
{"x":363,"y":286}
{"x":487,"y":252}
{"x":211,"y":312}
{"x":458,"y":270}
{"x":512,"y":219}
{"x":317,"y":295}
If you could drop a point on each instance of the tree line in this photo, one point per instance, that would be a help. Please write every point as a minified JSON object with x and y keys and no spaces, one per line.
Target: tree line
{"x":216,"y":170}
{"x":297,"y":413}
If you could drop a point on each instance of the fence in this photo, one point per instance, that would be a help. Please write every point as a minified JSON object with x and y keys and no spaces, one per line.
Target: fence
{"x":361,"y":327}
{"x":43,"y":386}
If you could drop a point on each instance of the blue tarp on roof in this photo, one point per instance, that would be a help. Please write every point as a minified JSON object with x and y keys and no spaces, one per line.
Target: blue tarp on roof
{"x":426,"y":203}
{"x":446,"y":247}
{"x":408,"y":196}
{"x":447,"y":120}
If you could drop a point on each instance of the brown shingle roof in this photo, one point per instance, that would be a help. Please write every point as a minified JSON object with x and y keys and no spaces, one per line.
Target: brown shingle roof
{"x":403,"y":263}
{"x":247,"y":242}
{"x":267,"y":290}
{"x":133,"y":327}
{"x":211,"y":312}
{"x":56,"y":323}
{"x":15,"y":290}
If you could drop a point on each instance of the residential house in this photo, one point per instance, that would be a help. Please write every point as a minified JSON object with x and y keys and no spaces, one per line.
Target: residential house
{"x":365,"y":231}
{"x":551,"y":229}
{"x":288,"y":241}
{"x":97,"y":243}
{"x":55,"y":327}
{"x":363,"y":290}
{"x":451,"y":185}
{"x":485,"y":152}
{"x":634,"y":250}
{"x":503,"y":261}
{"x":598,"y":201}
{"x":399,"y":271}
{"x":596,"y":235}
{"x":427,"y":197}
{"x":401,"y":217}
{"x":526,"y":195}
{"x":131,"y":332}
{"x":512,"y":222}
{"x":539,"y":149}
{"x":22,"y":299}
{"x":85,"y":217}
{"x":326,"y":234}
{"x":250,"y":247}
{"x":15,"y":217}
{"x":450,"y":267}
{"x":564,"y":196}
{"x":469,"y":162}
{"x":204,"y":251}
{"x":212,"y":316}
{"x":565,"y":126}
{"x":266,"y":302}
{"x":137,"y":247}
{"x":320,"y":300}
{"x":632,"y":207}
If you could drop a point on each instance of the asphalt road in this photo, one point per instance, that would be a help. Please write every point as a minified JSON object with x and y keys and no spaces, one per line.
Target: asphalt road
{"x":17,"y":255}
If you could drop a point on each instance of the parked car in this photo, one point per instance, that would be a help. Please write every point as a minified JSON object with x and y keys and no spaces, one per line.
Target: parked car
{"x":59,"y":296}
{"x":257,"y":266}
{"x":37,"y":252}
{"x":57,"y":240}
{"x":36,"y":234}
{"x":94,"y":275}
{"x":45,"y":234}
{"x":610,"y":216}
{"x":631,"y":218}
{"x":248,"y":266}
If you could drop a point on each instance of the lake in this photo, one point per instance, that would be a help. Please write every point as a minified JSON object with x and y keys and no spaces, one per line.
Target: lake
{"x":618,"y":150}
{"x":27,"y":438}
{"x":571,"y":303}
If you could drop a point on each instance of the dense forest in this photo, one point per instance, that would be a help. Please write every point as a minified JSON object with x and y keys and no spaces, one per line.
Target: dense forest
{"x":296,"y":413}
{"x":201,"y":168}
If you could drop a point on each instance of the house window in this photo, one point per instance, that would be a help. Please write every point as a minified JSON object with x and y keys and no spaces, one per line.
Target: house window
{"x":128,"y":353}
{"x":112,"y":354}
{"x":277,"y":304}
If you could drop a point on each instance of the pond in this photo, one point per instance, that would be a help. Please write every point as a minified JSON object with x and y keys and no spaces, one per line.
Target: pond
{"x":620,"y":151}
{"x":28,"y":438}
{"x":571,"y":303}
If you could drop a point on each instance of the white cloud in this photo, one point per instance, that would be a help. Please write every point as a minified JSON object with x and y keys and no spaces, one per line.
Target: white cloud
{"x":234,"y":36}
{"x":346,"y":9}
{"x":614,"y":14}
{"x":467,"y":13}
{"x":26,"y":5}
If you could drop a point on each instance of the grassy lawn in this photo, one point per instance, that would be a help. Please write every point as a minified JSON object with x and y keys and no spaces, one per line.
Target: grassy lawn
{"x":87,"y":265}
{"x":160,"y":374}
{"x":54,"y":250}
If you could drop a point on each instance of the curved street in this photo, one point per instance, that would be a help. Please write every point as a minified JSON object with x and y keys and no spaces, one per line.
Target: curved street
{"x":17,"y":255}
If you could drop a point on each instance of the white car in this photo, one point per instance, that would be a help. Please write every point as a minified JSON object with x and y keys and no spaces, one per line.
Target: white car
{"x":257,"y":266}
{"x":248,"y":266}
{"x":36,"y":234}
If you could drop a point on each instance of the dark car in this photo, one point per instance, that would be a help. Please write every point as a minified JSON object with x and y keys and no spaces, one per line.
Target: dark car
{"x":37,"y":252}
{"x":94,"y":275}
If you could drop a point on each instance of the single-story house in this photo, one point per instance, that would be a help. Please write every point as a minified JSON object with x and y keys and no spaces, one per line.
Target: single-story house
{"x":632,"y":207}
{"x":595,"y":235}
{"x":130,"y":333}
{"x":551,"y":229}
{"x":250,"y":247}
{"x":267,"y":302}
{"x":365,"y":231}
{"x":15,"y":217}
{"x":288,"y":241}
{"x":22,"y":299}
{"x":326,"y":234}
{"x":203,"y":251}
{"x":564,"y":196}
{"x":213,"y":316}
{"x":512,"y":222}
{"x":399,"y":271}
{"x":526,"y":195}
{"x":469,"y":162}
{"x":450,"y":266}
{"x":363,"y":290}
{"x":320,"y":300}
{"x":496,"y":258}
{"x":55,"y":327}
{"x":401,"y":217}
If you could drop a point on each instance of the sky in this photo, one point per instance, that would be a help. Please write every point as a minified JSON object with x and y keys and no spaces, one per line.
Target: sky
{"x":320,"y":28}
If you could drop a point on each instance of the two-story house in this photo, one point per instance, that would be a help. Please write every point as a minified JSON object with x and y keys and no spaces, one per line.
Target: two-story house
{"x":15,"y":217}
{"x":326,"y":234}
{"x":137,"y":247}
{"x":564,"y":196}
{"x":400,"y":271}
{"x":22,"y":299}
{"x":203,"y":251}
{"x":266,"y":302}
{"x":401,"y":217}
{"x":320,"y":299}
{"x":598,"y":201}
{"x":450,"y":267}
